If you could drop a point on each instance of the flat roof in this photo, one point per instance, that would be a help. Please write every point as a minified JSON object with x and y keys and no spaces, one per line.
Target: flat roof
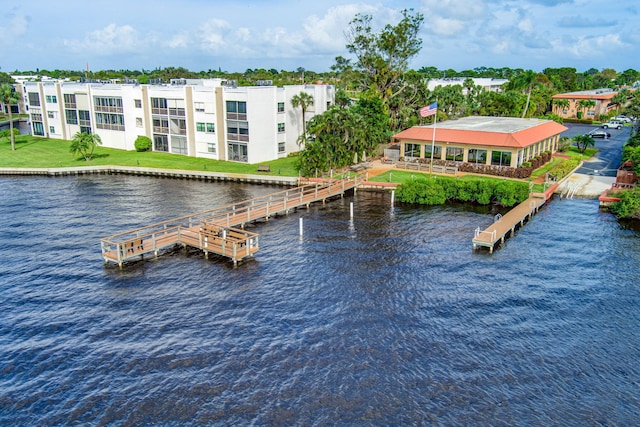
{"x":489,"y":124}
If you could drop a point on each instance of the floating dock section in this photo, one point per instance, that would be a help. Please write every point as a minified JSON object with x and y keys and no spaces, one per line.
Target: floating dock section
{"x":506,"y":225}
{"x":216,"y":231}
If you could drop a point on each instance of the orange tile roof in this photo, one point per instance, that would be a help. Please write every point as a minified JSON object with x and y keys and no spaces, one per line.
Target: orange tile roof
{"x":518,"y":139}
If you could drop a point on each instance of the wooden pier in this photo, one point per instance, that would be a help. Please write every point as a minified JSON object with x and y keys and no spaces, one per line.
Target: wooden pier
{"x":506,"y":225}
{"x":215,"y":231}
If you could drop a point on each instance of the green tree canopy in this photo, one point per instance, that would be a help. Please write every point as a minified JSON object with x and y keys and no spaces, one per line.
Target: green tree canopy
{"x":8,"y":97}
{"x":84,"y":144}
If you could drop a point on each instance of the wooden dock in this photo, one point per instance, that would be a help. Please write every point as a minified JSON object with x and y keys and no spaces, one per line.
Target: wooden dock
{"x":506,"y":225}
{"x":215,"y":231}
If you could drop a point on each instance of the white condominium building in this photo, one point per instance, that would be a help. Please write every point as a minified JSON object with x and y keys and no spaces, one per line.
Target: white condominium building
{"x":209,"y":118}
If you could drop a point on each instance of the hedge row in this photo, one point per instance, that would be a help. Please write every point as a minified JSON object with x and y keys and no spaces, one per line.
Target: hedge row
{"x":564,"y":168}
{"x":439,"y":190}
{"x":521,"y":172}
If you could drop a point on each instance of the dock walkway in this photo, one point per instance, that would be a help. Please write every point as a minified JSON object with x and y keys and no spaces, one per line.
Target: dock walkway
{"x":214,"y":231}
{"x":506,"y":224}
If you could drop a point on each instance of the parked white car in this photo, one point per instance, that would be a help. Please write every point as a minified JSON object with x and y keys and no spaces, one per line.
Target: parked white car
{"x":623,"y":119}
{"x":616,"y":124}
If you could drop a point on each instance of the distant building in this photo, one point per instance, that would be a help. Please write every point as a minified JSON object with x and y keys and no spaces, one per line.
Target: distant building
{"x":489,"y":84}
{"x":497,"y":141}
{"x":210,"y":118}
{"x":602,"y":98}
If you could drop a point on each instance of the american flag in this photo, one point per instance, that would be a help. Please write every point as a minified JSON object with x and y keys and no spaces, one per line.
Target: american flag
{"x":429,"y":110}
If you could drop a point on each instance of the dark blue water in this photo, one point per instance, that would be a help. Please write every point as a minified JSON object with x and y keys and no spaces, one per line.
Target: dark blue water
{"x":387,"y":319}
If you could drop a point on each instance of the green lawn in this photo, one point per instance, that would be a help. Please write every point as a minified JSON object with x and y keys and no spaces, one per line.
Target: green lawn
{"x":52,"y":153}
{"x":401,"y":177}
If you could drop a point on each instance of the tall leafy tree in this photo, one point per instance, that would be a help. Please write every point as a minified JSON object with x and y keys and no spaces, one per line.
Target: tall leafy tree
{"x":524,"y":81}
{"x":383,"y":58}
{"x":620,"y":99}
{"x":304,"y":101}
{"x":9,"y":96}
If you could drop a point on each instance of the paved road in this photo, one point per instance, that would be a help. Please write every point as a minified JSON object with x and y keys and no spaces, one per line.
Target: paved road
{"x":608,"y":159}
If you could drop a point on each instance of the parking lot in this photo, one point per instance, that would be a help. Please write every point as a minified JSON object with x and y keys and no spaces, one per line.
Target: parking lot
{"x":608,"y":158}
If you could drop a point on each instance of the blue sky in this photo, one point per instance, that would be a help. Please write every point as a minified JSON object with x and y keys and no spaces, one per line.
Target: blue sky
{"x":287,"y":34}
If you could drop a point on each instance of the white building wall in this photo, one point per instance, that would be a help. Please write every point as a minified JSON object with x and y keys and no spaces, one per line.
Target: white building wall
{"x":262,"y":114}
{"x":205,"y":97}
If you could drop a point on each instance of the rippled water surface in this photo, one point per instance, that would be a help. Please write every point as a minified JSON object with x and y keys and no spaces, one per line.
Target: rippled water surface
{"x":386,"y":319}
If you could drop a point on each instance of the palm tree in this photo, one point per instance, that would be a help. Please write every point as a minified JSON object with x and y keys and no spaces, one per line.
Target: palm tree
{"x":84,"y":143}
{"x":561,"y":104}
{"x":585,"y":104}
{"x":304,"y":101}
{"x":583,"y":142}
{"x":526,"y":82}
{"x":620,"y":99}
{"x":9,"y":96}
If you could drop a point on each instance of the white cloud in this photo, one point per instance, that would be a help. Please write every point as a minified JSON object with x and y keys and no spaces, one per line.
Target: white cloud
{"x":111,"y":39}
{"x":182,"y":40}
{"x":16,"y":26}
{"x":327,"y":33}
{"x":212,"y":35}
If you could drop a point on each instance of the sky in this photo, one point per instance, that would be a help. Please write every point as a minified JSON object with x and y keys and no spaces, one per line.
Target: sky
{"x":287,"y":34}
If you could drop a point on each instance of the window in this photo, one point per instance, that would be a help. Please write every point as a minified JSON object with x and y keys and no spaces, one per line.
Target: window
{"x":237,"y":110}
{"x":160,"y":125}
{"x":455,"y":154}
{"x":139,"y":122}
{"x":237,"y":131}
{"x":200,"y":127}
{"x":281,"y":147}
{"x":138,"y":103}
{"x":501,"y":158}
{"x":280,"y":127}
{"x":70,"y":101}
{"x":477,"y":156}
{"x":52,"y":129}
{"x":51,"y":114}
{"x":237,"y":152}
{"x":71,"y":116}
{"x":159,"y":106}
{"x":178,"y":126}
{"x":38,"y":129}
{"x":437,"y":151}
{"x":199,"y":107}
{"x":108,"y":104}
{"x":160,"y":143}
{"x":179,"y":144}
{"x":211,"y":147}
{"x":280,"y":107}
{"x":211,"y":128}
{"x":51,"y":99}
{"x":110,"y":121}
{"x":85,"y":117}
{"x":34,"y":99}
{"x":176,"y":107}
{"x":236,"y":107}
{"x":85,"y":129}
{"x":412,"y":150}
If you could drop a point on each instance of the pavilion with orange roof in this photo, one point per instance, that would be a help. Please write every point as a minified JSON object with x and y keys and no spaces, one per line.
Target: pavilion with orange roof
{"x":498,"y":141}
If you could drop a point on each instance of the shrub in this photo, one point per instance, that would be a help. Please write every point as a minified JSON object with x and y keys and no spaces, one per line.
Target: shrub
{"x":563,"y":168}
{"x":438,"y":191}
{"x":629,"y":204}
{"x":142,"y":143}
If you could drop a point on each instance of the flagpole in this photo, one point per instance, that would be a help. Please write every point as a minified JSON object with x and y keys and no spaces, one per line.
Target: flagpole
{"x":433,"y":139}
